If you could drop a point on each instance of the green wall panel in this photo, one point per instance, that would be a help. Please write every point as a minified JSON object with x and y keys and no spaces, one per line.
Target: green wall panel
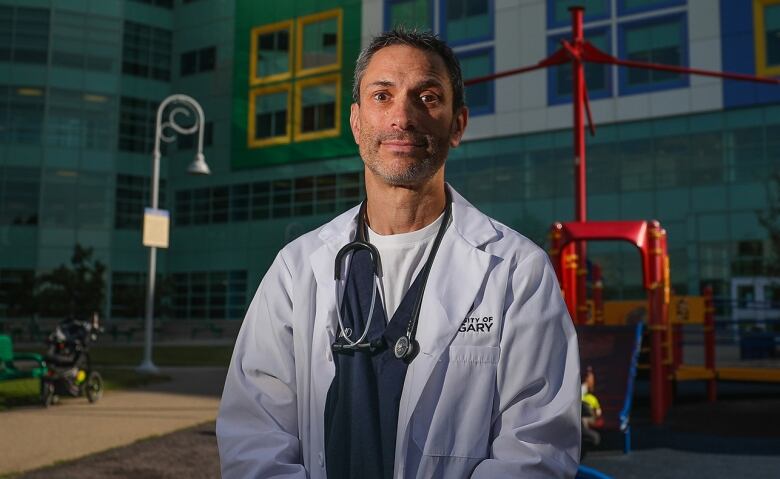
{"x":250,"y":14}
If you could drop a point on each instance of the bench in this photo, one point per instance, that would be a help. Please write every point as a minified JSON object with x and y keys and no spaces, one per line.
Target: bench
{"x":9,"y":369}
{"x":613,"y":353}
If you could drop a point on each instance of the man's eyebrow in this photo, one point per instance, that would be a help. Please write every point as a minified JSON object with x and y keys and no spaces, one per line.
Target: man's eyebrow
{"x":426,"y":83}
{"x":381,"y":83}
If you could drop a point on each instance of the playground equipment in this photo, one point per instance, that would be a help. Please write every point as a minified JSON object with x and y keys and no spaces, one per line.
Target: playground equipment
{"x":577,"y":52}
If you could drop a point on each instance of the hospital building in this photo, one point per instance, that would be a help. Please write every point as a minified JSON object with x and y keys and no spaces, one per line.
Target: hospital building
{"x":80,"y":82}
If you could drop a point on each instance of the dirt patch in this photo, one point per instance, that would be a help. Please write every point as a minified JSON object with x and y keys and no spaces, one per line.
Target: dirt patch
{"x":190,"y":453}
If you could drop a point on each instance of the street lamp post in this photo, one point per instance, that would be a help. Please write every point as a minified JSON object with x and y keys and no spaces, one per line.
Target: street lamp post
{"x":197,"y":167}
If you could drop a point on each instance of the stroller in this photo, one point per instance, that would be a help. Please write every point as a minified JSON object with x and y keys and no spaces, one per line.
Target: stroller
{"x":69,"y":366}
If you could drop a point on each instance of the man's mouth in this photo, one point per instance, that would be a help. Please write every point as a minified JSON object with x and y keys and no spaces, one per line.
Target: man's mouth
{"x":402,"y":146}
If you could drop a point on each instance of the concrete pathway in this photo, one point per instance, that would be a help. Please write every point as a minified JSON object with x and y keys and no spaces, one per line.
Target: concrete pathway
{"x":34,"y":437}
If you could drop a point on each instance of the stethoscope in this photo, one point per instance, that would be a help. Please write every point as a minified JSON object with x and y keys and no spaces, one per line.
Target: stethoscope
{"x":406,"y":347}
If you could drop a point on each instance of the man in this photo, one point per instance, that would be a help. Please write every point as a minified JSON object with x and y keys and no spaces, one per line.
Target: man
{"x":489,"y":383}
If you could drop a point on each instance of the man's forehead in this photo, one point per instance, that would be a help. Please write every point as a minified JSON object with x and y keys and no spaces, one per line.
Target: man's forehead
{"x":404,"y":60}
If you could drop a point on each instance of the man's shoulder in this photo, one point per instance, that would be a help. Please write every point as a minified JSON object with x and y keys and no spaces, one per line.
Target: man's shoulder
{"x":509,"y":243}
{"x":491,"y":235}
{"x":519,"y":246}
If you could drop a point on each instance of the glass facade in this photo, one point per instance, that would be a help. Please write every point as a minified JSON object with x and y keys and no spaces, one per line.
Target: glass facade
{"x":77,"y":130}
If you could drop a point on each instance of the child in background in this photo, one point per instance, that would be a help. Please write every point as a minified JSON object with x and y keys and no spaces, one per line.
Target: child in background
{"x":591,"y":410}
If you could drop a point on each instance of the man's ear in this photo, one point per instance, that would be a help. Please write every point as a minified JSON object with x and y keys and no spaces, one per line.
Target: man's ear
{"x":354,"y":121}
{"x":459,"y":126}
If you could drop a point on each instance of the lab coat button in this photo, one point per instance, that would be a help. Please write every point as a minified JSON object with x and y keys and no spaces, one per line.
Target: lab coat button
{"x":328,"y":356}
{"x":321,"y":458}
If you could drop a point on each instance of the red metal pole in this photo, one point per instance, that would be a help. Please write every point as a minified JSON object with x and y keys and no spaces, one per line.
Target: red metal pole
{"x":709,"y":343}
{"x":580,"y":201}
{"x":655,"y":293}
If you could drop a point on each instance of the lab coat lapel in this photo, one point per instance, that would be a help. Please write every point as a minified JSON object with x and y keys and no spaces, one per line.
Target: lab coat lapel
{"x":456,"y":276}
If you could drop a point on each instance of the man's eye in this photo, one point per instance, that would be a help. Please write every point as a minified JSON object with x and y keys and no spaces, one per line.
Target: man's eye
{"x":381,"y":96}
{"x":429,"y":98}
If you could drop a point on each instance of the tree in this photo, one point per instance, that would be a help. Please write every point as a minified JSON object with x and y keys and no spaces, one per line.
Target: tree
{"x":75,"y":290}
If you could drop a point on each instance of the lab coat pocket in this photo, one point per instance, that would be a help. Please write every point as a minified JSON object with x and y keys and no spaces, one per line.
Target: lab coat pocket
{"x":453,"y":414}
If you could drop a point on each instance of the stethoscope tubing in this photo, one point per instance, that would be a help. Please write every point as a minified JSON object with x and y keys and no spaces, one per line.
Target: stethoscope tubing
{"x":406,"y":346}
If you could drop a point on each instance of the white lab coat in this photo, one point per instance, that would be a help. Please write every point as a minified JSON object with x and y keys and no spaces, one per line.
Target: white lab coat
{"x":483,"y":402}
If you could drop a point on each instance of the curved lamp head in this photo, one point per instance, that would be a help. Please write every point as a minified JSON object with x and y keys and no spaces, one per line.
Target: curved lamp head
{"x":199,"y":166}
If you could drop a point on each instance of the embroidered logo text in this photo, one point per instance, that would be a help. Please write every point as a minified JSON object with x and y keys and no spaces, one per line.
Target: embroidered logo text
{"x":476,"y":324}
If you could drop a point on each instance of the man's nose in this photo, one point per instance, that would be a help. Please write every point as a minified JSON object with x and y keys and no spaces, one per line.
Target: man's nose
{"x":404,"y":113}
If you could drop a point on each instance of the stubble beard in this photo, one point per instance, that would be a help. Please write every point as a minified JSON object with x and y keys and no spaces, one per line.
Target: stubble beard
{"x":414,"y":171}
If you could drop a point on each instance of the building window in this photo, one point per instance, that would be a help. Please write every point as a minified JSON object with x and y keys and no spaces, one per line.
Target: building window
{"x":318,"y":101}
{"x":284,"y":107}
{"x":269,"y":119}
{"x":664,"y":41}
{"x":183,"y":208}
{"x":131,"y":196}
{"x":214,"y":295}
{"x":476,"y":63}
{"x":558,"y":13}
{"x":319,"y":43}
{"x":635,"y":6}
{"x":157,"y":3}
{"x":281,"y":198}
{"x":467,"y":20}
{"x":198,"y":61}
{"x":85,"y":42}
{"x":24,"y":34}
{"x":597,"y":77}
{"x":239,"y":202}
{"x":271,"y":53}
{"x":146,"y":51}
{"x":261,"y":200}
{"x":767,"y":36}
{"x":411,"y":14}
{"x":80,"y":119}
{"x":137,"y":119}
{"x":19,"y":196}
{"x":21,"y":114}
{"x":201,"y":206}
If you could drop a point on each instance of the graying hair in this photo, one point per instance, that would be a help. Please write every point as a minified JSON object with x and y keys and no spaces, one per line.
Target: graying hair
{"x":425,"y":41}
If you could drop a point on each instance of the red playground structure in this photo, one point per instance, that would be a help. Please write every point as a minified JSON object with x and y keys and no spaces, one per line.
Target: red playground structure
{"x":569,"y":239}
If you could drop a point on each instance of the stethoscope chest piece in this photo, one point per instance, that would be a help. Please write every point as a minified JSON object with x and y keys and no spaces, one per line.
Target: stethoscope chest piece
{"x":404,"y":349}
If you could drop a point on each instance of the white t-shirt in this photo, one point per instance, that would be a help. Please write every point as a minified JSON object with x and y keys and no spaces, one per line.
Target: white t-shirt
{"x":402,"y":255}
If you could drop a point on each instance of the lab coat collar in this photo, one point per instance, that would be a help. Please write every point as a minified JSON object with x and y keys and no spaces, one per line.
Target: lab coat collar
{"x":474,"y":227}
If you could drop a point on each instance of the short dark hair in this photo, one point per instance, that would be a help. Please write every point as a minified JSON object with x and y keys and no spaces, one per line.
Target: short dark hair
{"x":425,"y":41}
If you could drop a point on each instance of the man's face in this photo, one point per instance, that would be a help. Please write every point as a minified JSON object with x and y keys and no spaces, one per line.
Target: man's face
{"x":404,"y":124}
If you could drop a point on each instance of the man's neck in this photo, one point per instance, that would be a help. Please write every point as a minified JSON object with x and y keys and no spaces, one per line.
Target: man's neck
{"x":395,"y":209}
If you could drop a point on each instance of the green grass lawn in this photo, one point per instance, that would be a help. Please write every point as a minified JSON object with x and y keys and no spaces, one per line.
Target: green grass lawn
{"x":123,"y":355}
{"x":25,"y":392}
{"x":116,"y":363}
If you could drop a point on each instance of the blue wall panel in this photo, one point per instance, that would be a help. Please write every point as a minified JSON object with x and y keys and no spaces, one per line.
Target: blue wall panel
{"x":739,"y":55}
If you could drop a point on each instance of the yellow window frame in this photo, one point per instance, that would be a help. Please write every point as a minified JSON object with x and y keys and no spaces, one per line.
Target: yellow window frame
{"x":252,"y":141}
{"x":308,"y":19}
{"x":316,"y":135}
{"x":256,"y":32}
{"x":759,"y":35}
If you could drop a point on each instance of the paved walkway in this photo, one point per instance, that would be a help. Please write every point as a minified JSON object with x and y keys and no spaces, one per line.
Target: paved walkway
{"x":34,"y":437}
